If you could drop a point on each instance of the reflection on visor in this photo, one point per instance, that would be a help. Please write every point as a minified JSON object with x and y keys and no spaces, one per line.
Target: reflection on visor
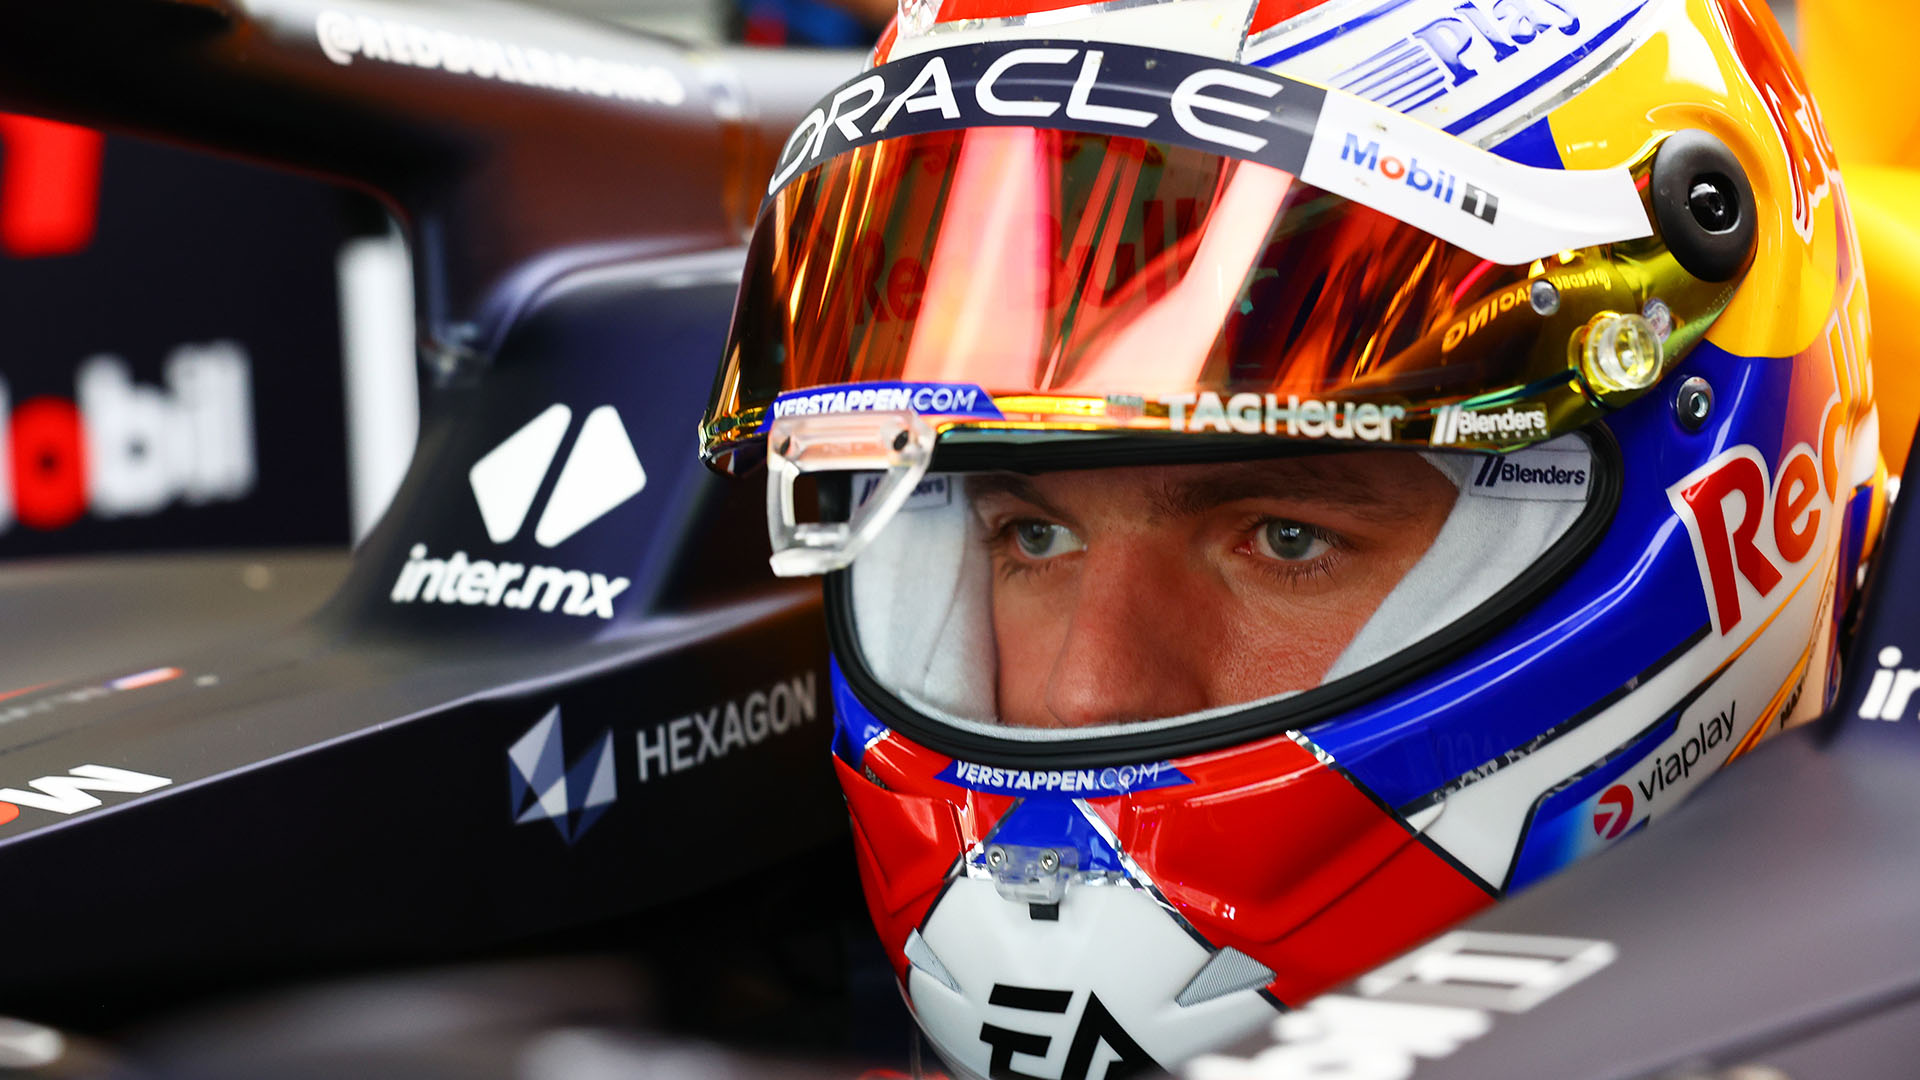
{"x":1041,"y":606}
{"x":1105,"y":276}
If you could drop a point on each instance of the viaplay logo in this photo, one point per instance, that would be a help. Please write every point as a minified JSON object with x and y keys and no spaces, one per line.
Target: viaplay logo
{"x":1612,"y":812}
{"x":121,"y":449}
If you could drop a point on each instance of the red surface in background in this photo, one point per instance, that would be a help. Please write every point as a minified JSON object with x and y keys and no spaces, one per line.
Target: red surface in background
{"x":49,"y":463}
{"x":49,"y":186}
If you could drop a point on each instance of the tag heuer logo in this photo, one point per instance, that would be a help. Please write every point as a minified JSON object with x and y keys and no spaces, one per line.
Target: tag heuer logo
{"x":601,"y":473}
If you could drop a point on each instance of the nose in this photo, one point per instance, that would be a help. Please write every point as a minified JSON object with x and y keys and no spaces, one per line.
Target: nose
{"x":1135,"y":647}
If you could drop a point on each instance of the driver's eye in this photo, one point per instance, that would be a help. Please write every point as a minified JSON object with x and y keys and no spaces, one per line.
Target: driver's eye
{"x":1044,"y":539}
{"x":1290,"y":541}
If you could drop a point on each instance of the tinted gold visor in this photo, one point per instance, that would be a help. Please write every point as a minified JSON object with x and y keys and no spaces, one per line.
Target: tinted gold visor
{"x":1019,"y":278}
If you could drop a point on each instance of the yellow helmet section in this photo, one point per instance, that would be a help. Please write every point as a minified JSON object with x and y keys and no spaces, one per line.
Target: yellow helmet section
{"x":1700,"y":73}
{"x":1858,"y":68}
{"x":1856,"y":57}
{"x":1725,"y":66}
{"x":1886,"y":214}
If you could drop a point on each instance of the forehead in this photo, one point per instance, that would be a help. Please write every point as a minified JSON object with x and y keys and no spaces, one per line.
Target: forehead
{"x":1381,"y":482}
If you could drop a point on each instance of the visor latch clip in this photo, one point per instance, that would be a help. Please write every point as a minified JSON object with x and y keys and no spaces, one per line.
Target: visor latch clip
{"x":1031,"y":875}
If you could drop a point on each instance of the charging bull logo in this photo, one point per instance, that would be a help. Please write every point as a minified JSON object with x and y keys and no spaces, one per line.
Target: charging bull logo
{"x":1750,"y":529}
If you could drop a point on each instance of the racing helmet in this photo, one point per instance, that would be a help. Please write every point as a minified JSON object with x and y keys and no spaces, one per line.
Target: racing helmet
{"x":1288,"y":474}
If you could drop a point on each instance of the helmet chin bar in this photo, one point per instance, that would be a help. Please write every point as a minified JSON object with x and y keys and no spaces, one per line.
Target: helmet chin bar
{"x":898,"y":445}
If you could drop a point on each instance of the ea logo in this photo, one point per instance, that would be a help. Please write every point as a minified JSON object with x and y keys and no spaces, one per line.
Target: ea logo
{"x":1613,"y":811}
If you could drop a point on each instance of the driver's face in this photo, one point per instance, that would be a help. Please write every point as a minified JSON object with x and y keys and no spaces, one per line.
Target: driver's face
{"x":1141,"y":593}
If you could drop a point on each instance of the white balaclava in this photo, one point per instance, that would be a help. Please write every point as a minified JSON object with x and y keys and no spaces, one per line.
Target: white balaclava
{"x":922,"y":590}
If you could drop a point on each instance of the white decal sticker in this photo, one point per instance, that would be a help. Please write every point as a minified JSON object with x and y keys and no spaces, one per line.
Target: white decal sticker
{"x":1256,"y":414}
{"x":1535,"y":473}
{"x":1502,"y":211}
{"x":1426,"y":1004}
{"x":70,"y":794}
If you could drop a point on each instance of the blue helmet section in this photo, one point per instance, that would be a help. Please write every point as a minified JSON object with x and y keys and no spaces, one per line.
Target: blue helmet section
{"x":1634,"y":605}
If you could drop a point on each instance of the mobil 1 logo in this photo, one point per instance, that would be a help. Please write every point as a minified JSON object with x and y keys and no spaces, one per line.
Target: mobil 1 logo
{"x":1430,"y":179}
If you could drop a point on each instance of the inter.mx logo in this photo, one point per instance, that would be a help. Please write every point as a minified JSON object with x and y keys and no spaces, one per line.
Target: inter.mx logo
{"x":70,"y":794}
{"x":1892,"y":688}
{"x":544,"y":786}
{"x":601,"y":472}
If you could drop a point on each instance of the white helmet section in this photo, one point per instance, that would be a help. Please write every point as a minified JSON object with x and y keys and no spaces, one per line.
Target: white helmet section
{"x":1512,"y":508}
{"x":1003,"y":993}
{"x":922,"y":591}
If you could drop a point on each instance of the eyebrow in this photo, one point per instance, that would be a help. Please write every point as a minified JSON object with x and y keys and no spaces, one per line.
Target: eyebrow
{"x":1014,"y":486}
{"x":1324,"y":481}
{"x":1315,"y":479}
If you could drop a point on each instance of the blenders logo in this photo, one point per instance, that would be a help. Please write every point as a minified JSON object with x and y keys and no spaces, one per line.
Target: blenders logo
{"x":1534,"y":474}
{"x":1255,"y":414}
{"x":938,"y":399}
{"x":126,"y":450}
{"x":930,"y":493}
{"x":544,"y":786}
{"x":601,"y":473}
{"x":1457,"y":424}
{"x":1430,"y":180}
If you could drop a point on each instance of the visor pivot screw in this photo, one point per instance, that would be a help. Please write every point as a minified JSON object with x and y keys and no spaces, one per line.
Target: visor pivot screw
{"x":900,"y":442}
{"x":996,"y":857}
{"x":1660,"y":317}
{"x":785,"y":445}
{"x":1693,"y":403}
{"x":1049,"y":861}
{"x":1713,"y":203}
{"x":1544,"y":297}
